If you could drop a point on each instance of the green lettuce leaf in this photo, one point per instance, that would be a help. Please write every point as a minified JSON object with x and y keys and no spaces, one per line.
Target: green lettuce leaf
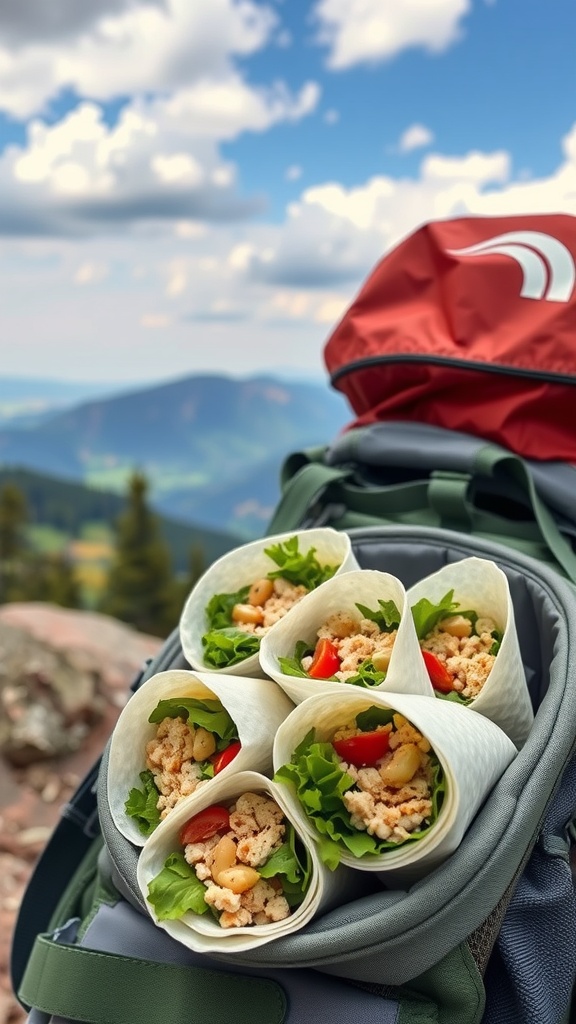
{"x":205,"y":714}
{"x":219,"y":608}
{"x":386,"y":617}
{"x":315,"y":774}
{"x":426,"y":615}
{"x":176,"y":890}
{"x":292,"y":862}
{"x":141,"y":804}
{"x":366,"y":676}
{"x":225,"y":647}
{"x":304,"y":570}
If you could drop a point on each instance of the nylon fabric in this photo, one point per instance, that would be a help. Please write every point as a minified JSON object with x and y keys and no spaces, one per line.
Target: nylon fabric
{"x":311,"y":996}
{"x":442,"y":333}
{"x":525,"y":983}
{"x":105,"y":988}
{"x":386,"y":936}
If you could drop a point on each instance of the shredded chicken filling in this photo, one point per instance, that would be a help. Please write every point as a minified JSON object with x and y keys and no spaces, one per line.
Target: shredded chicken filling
{"x":256,"y":830}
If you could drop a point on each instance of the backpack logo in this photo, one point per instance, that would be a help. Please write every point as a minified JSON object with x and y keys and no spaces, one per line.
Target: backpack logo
{"x":547,"y":265}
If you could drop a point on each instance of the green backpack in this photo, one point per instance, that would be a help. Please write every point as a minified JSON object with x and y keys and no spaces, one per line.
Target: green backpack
{"x":490,"y":935}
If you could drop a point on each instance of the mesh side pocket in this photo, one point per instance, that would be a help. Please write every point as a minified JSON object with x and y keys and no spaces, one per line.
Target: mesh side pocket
{"x":531,"y":973}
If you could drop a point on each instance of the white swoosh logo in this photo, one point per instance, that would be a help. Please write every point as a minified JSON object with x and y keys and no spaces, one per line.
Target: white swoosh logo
{"x":547,"y":265}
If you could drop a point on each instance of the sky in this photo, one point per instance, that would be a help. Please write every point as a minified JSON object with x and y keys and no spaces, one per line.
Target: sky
{"x":203,"y":187}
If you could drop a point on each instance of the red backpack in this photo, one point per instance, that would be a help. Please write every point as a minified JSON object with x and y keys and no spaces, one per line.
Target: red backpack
{"x":469,"y":325}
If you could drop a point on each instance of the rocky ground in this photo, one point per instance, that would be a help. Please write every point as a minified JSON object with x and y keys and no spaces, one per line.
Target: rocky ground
{"x":64,"y":677}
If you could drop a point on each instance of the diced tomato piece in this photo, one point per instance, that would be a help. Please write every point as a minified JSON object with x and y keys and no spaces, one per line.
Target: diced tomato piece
{"x":205,"y":824}
{"x":325,"y":661}
{"x":439,"y":675}
{"x":226,"y":756}
{"x":364,"y":750}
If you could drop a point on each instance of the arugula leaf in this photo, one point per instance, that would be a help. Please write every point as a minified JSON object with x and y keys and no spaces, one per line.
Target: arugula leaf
{"x":372,"y":717}
{"x":296,"y":567}
{"x":498,"y":636}
{"x":292,"y":861}
{"x":207,"y":714}
{"x":176,"y":889}
{"x":219,"y":608}
{"x":426,"y":614}
{"x":141,"y":804}
{"x":225,"y":647}
{"x":293,"y":666}
{"x":386,"y":617}
{"x":319,"y":781}
{"x":366,"y":675}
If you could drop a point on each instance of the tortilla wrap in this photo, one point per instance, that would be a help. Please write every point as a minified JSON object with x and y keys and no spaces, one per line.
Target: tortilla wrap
{"x":472,"y":751}
{"x":257,"y":707}
{"x":242,"y":567}
{"x":202,"y":933}
{"x":406,"y":672}
{"x":480,"y":585}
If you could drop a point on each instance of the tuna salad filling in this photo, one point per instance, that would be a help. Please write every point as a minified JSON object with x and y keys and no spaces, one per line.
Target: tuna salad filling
{"x":194,"y":741}
{"x":352,"y":647}
{"x":237,"y":620}
{"x":459,"y":647}
{"x":241,"y":862}
{"x":375,"y":785}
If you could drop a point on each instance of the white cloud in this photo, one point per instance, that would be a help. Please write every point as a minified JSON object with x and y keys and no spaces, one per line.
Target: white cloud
{"x":91,"y":273}
{"x":480,"y":168}
{"x":415,"y":137}
{"x":124,"y":47}
{"x":332,"y":116}
{"x":367,"y":31}
{"x":161,"y":160}
{"x":246,"y":295}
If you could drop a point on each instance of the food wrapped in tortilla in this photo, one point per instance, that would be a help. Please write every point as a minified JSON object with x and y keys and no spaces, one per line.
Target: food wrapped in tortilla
{"x":244,"y":594}
{"x":233,"y":869}
{"x":179,"y":732}
{"x":464,"y":619}
{"x":355,"y":629}
{"x":388,"y":782}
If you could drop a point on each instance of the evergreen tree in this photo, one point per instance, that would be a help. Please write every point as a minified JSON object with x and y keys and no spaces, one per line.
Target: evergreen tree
{"x":55,"y":581}
{"x":141,"y":589}
{"x":13,"y":546}
{"x":196,"y":566}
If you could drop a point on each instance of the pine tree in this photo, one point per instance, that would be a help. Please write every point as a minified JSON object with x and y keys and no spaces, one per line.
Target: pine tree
{"x":56,"y":581}
{"x":13,"y":546}
{"x":140,"y":587}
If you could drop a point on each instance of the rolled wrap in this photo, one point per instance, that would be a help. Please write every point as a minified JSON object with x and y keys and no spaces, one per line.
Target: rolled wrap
{"x":406,"y":671}
{"x":242,"y":567}
{"x":472,"y":751}
{"x":480,"y":585}
{"x":256,"y":706}
{"x":202,"y":933}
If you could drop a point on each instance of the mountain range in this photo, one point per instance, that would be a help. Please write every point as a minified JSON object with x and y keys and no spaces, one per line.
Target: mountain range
{"x":211,"y":446}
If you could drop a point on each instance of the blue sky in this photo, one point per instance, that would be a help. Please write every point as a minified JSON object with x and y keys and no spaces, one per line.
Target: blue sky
{"x":196,"y":187}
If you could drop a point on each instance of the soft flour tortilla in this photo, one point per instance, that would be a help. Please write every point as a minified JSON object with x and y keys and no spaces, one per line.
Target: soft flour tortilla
{"x":241,"y":567}
{"x":256,"y":706}
{"x":406,"y":672}
{"x":479,"y":585}
{"x":202,"y":933}
{"x":472,"y":751}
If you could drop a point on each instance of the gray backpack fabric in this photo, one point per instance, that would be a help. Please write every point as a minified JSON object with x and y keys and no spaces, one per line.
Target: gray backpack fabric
{"x":489,"y":937}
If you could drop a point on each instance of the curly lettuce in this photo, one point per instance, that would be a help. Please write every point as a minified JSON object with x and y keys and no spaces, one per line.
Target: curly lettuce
{"x":316,"y":775}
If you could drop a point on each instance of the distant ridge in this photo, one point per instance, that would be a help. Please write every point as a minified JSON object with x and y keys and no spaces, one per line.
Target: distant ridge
{"x":70,"y":507}
{"x":215,"y":443}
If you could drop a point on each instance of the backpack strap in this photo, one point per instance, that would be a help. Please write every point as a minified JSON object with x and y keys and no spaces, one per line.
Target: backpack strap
{"x":81,"y":984}
{"x":314,"y":493}
{"x":494,"y":461}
